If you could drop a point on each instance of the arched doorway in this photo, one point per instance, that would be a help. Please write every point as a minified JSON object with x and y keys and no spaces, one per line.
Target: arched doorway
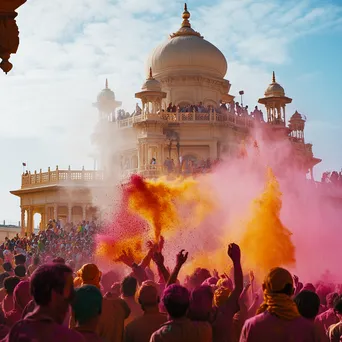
{"x":37,"y":221}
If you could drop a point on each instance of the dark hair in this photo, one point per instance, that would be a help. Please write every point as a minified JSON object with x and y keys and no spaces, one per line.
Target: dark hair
{"x":308,"y":304}
{"x":36,"y":260}
{"x":176,"y":300}
{"x":87,"y":303}
{"x":48,"y":278}
{"x":338,"y":305}
{"x":58,"y":260}
{"x":331,"y":298}
{"x":20,"y":271}
{"x":3,"y":276}
{"x":7,"y":267}
{"x":10,"y":283}
{"x":20,"y":259}
{"x":129,"y":286}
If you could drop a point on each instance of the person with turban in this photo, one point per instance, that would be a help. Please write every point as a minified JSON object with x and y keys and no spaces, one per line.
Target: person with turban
{"x":278,"y":317}
{"x":114,"y":311}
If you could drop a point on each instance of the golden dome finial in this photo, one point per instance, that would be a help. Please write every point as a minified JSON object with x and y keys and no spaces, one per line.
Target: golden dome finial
{"x":273,"y":77}
{"x":186,"y":16}
{"x":106,"y":85}
{"x":151,"y":73}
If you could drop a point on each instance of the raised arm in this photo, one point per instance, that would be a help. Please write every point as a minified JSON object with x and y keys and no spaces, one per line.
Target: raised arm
{"x":235,"y":255}
{"x":181,"y":259}
{"x":158,"y":259}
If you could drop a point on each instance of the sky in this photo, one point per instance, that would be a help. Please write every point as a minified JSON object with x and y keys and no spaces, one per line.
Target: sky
{"x":68,"y":48}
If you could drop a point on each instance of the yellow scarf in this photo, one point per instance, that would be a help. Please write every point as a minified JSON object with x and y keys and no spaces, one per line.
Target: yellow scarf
{"x":278,"y":304}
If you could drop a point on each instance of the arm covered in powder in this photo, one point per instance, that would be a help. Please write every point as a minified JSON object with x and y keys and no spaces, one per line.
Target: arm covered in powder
{"x":235,"y":255}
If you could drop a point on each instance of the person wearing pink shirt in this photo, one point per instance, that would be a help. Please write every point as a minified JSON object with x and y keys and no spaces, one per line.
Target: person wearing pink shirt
{"x":278,"y":319}
{"x":52,"y":290}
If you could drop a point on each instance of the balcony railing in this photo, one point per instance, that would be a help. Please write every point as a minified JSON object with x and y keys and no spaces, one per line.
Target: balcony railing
{"x":189,"y":117}
{"x":38,"y":179}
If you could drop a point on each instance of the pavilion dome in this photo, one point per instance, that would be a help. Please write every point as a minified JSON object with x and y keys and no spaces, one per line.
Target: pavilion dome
{"x":274,"y":89}
{"x":106,"y":94}
{"x":187,"y":52}
{"x":151,"y":84}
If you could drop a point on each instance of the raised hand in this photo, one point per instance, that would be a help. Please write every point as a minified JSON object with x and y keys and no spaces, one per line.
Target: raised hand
{"x":126,"y":258}
{"x":182,"y":257}
{"x":161,"y":243}
{"x":158,"y":258}
{"x":234,"y":252}
{"x":295,"y":280}
{"x":251,"y":276}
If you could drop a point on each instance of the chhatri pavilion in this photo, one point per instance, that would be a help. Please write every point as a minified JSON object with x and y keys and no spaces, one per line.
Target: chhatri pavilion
{"x":185,"y":117}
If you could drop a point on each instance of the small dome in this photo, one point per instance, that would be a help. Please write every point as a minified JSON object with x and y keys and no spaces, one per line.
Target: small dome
{"x":151,"y":84}
{"x":297,"y":117}
{"x":106,"y":94}
{"x":274,"y":89}
{"x":187,"y":52}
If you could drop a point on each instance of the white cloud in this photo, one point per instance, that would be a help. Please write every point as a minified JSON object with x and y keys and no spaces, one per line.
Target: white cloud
{"x":68,"y":48}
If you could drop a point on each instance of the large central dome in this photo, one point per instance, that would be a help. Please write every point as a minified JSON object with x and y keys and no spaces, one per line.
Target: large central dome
{"x":186,"y":52}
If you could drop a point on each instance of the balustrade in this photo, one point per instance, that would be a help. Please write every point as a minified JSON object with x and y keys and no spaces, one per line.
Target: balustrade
{"x":176,"y":117}
{"x":57,"y":176}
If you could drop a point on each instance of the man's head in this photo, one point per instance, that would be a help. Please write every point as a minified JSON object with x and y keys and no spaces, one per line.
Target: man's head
{"x":201,"y":300}
{"x":308,"y":304}
{"x":331,"y":298}
{"x":87,"y":304}
{"x":129,"y":286}
{"x":338,"y":307}
{"x":20,"y":271}
{"x":148,"y":296}
{"x":278,"y":280}
{"x":58,"y":260}
{"x":176,"y":301}
{"x":20,"y":259}
{"x":10,"y":283}
{"x":7,"y":267}
{"x":52,"y":287}
{"x":90,"y":274}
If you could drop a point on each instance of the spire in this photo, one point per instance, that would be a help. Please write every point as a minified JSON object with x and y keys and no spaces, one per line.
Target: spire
{"x":151,"y":73}
{"x":273,"y":78}
{"x":106,"y":83}
{"x":186,"y":16}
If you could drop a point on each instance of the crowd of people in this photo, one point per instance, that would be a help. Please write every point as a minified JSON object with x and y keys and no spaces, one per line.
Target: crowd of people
{"x":47,"y":297}
{"x":222,"y":108}
{"x":333,"y":178}
{"x":188,"y":166}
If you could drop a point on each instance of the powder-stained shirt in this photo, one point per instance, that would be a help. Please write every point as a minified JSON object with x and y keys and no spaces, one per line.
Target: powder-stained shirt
{"x":324,"y":321}
{"x":142,"y":328}
{"x":269,"y":328}
{"x":183,"y":330}
{"x":41,"y":330}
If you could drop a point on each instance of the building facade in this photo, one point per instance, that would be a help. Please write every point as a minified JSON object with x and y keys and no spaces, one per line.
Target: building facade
{"x":186,"y":118}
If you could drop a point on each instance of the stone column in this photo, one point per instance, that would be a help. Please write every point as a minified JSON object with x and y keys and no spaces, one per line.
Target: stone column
{"x":22,"y":223}
{"x":46,"y":215}
{"x":30,"y":223}
{"x":69,"y":213}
